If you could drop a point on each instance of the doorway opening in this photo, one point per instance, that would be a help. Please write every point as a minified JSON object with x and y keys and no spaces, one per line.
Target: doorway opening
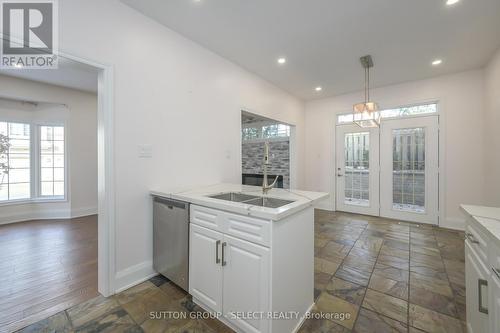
{"x":390,"y":171}
{"x":56,"y":231}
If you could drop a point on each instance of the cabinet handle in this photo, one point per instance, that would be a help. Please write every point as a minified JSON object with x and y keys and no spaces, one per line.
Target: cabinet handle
{"x":482,"y":283}
{"x":223,"y":247}
{"x":217,"y":260}
{"x":496,"y":271}
{"x":471,"y":238}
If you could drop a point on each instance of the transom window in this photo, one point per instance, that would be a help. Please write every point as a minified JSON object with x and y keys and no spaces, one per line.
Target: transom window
{"x":405,"y":111}
{"x":32,"y":162}
{"x":268,"y":131}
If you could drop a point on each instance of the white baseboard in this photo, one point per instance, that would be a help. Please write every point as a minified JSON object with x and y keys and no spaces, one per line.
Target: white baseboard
{"x":303,"y":319}
{"x":453,"y":223}
{"x":326,"y":204}
{"x":134,"y":275}
{"x":27,"y":214}
{"x":83,"y":211}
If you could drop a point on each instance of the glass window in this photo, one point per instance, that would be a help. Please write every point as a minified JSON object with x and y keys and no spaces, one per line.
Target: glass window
{"x":357,"y":168}
{"x":394,"y":113}
{"x":408,"y":171}
{"x":52,"y":169}
{"x":15,"y":162}
{"x":265,"y":132}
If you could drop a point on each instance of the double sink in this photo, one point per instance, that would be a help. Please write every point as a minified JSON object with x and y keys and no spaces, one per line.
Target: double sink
{"x":251,"y":199}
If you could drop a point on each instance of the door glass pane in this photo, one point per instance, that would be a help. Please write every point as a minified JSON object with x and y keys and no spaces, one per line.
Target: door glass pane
{"x":357,"y":168}
{"x":408,"y":169}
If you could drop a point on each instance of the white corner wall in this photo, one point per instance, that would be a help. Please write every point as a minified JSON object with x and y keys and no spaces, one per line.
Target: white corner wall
{"x":81,"y":127}
{"x":175,"y":95}
{"x":492,"y":133}
{"x":461,"y":103}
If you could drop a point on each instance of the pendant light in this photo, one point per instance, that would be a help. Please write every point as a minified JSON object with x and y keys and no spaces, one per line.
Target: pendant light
{"x":366,"y":114}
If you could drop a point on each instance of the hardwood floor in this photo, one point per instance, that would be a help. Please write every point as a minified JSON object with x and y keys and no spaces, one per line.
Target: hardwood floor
{"x":46,"y":266}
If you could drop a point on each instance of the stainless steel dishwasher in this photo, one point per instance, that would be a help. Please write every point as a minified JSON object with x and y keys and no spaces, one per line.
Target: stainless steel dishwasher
{"x":171,"y":240}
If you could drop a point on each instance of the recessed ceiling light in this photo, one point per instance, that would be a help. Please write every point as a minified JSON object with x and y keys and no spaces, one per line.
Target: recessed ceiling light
{"x":451,"y":2}
{"x":437,"y":62}
{"x":281,"y":61}
{"x":318,"y":88}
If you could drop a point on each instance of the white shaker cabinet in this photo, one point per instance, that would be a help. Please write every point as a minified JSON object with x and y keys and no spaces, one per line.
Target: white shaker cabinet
{"x":230,"y":276}
{"x":205,"y":271}
{"x":246,"y":268}
{"x":246,"y":282}
{"x":476,"y":280}
{"x":495,"y":289}
{"x":482,"y":268}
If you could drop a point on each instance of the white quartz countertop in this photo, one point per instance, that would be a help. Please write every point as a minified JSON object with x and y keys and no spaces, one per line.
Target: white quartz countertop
{"x":200,"y":196}
{"x":487,"y":217}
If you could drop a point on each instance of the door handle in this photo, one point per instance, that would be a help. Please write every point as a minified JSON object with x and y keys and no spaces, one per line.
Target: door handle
{"x":471,"y":238}
{"x":223,"y":260}
{"x":481,"y":283}
{"x":496,"y":271}
{"x":340,"y":175}
{"x":217,"y":260}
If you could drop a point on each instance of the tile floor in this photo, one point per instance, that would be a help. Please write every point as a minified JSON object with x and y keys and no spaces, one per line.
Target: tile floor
{"x":387,"y":276}
{"x":391,"y":276}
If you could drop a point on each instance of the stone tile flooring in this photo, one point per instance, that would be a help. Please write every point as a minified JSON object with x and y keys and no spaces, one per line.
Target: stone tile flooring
{"x":388,"y":276}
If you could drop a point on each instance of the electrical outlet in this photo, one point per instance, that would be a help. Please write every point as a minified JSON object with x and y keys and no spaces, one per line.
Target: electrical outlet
{"x":145,"y":151}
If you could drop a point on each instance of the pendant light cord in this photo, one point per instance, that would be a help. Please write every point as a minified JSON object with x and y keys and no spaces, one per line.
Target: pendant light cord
{"x":367,"y":77}
{"x":368,"y":84}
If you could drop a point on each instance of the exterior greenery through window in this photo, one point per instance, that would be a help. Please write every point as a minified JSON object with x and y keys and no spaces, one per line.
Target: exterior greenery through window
{"x":32,"y":162}
{"x":404,"y":111}
{"x":15,"y":176}
{"x":255,"y":132}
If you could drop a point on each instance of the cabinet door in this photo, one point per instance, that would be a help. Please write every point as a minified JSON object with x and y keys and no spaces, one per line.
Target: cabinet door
{"x":495,"y":288}
{"x":246,"y":283}
{"x":476,"y":277}
{"x":205,"y":270}
{"x":495,"y":303}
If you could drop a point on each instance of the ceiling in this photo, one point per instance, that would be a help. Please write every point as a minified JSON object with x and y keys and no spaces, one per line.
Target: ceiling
{"x":69,"y":74}
{"x":322,"y":40}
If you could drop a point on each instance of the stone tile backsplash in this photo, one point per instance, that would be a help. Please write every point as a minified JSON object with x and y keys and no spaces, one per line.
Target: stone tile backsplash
{"x":279,"y":155}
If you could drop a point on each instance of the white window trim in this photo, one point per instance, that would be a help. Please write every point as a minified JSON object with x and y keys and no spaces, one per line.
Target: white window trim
{"x":259,"y":126}
{"x":35,"y":170}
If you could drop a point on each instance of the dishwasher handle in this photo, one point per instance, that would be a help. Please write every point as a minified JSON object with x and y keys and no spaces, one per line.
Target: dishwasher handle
{"x":170,"y":203}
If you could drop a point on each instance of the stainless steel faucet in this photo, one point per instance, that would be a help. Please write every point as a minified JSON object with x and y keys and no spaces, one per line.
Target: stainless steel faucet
{"x":265,"y":186}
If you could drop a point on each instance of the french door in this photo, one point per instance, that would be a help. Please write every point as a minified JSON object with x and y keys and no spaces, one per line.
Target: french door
{"x":358,"y":169}
{"x":409,"y":169}
{"x":391,"y":171}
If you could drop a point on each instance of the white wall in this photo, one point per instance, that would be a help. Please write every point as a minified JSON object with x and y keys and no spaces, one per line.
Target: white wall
{"x":170,"y":93}
{"x":81,"y":126}
{"x":492,"y":134}
{"x":460,"y":99}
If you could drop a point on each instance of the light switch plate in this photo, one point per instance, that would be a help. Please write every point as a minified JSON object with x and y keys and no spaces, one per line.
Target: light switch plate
{"x":145,"y":151}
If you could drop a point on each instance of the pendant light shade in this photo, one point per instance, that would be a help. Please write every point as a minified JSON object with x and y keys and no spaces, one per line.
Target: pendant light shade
{"x":366,"y":114}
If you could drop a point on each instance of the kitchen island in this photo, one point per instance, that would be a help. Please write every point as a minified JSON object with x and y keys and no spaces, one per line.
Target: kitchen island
{"x":251,"y":256}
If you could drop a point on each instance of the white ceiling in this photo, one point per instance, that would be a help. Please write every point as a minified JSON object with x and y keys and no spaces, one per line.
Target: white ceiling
{"x":69,"y":74}
{"x":322,"y":40}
